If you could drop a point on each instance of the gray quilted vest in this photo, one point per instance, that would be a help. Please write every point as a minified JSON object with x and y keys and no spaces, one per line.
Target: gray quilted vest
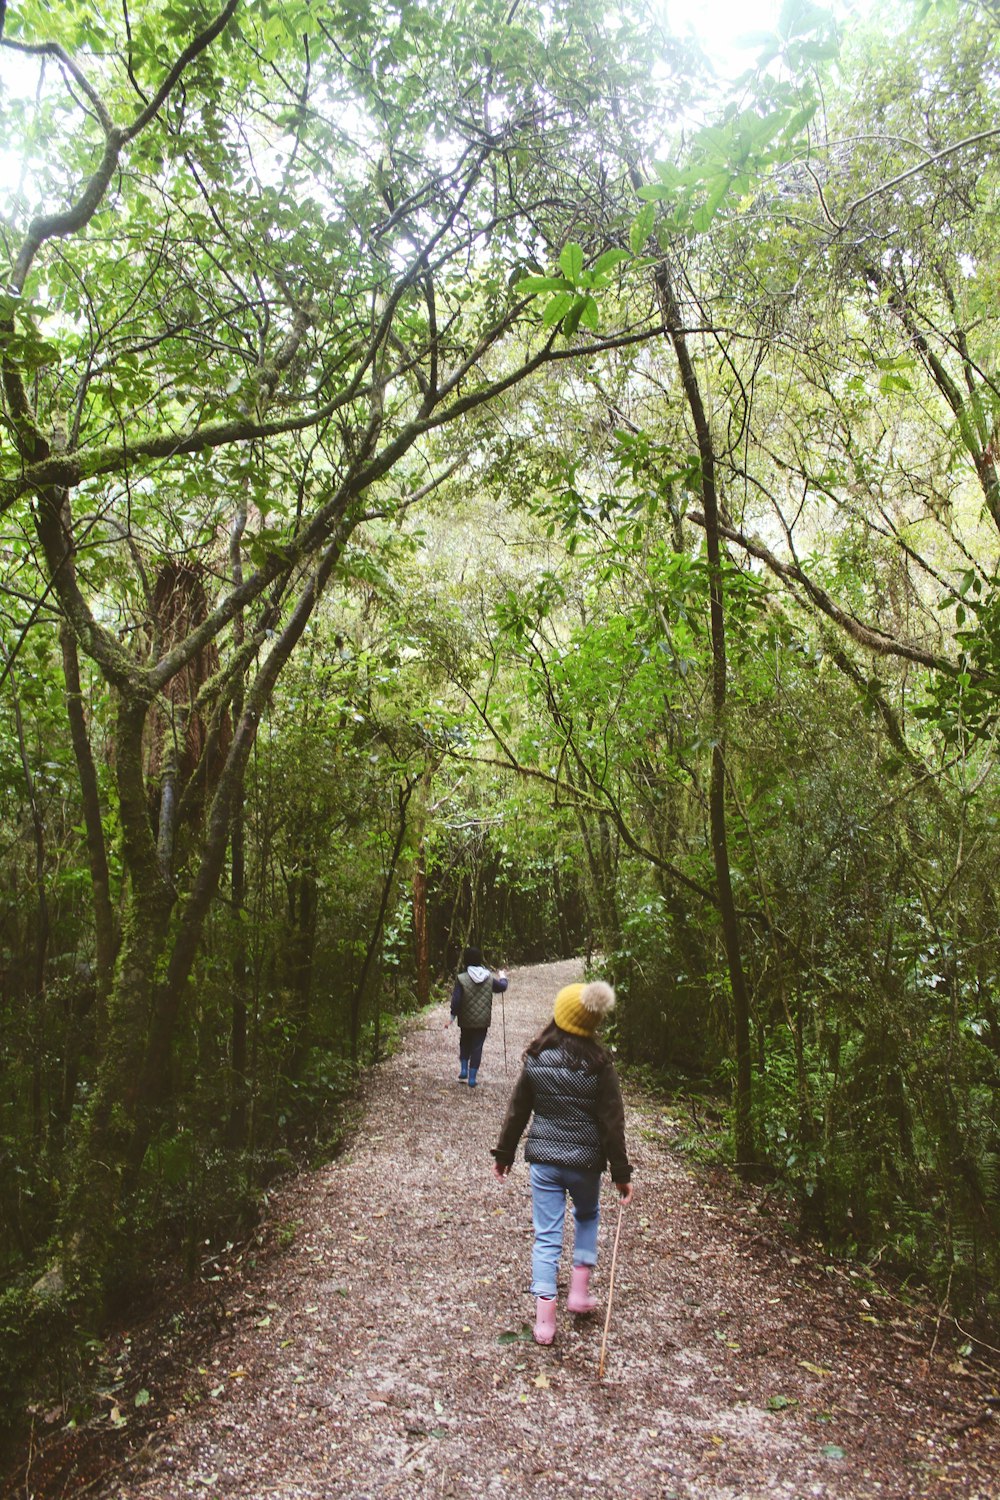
{"x":476,"y":1006}
{"x":564,"y":1130}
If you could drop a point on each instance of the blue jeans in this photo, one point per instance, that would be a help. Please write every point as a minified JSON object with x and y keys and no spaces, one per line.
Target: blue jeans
{"x":470,"y":1045}
{"x":549,"y":1186}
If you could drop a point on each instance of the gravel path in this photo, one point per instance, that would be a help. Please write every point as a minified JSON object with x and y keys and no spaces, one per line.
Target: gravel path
{"x":384,"y":1353}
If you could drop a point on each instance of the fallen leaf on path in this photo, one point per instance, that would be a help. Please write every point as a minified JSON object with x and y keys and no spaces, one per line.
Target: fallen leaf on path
{"x":523,"y":1333}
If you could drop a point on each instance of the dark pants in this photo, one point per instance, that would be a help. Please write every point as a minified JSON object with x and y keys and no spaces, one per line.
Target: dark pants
{"x":470,"y":1044}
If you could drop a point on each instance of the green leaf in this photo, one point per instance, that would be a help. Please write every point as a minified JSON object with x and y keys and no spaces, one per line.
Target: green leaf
{"x":557,"y":309}
{"x":799,"y":121}
{"x":531,"y":284}
{"x":895,"y":362}
{"x":609,"y":260}
{"x":832,"y":1450}
{"x":523,"y":1335}
{"x":571,"y":261}
{"x":642,"y":227}
{"x":571,"y":322}
{"x":800,"y":17}
{"x":670,"y":175}
{"x":589,"y":314}
{"x":765,"y":129}
{"x":704,"y":215}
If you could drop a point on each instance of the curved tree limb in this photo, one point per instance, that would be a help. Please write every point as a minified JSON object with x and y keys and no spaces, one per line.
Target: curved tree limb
{"x":868,"y":636}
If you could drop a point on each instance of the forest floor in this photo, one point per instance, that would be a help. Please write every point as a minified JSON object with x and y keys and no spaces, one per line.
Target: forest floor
{"x":381,"y":1347}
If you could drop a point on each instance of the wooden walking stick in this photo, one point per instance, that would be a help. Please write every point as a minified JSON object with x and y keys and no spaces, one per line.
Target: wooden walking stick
{"x":503,"y":1019}
{"x":611,"y":1292}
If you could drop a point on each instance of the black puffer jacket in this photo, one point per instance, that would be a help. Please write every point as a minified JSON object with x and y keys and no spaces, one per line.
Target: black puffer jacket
{"x":578,"y":1115}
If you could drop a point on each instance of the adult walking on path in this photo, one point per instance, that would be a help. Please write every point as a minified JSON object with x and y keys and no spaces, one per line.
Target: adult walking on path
{"x":472,"y":1008}
{"x":379,"y":1352}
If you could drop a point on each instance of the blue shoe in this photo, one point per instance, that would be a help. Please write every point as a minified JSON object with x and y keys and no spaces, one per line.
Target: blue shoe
{"x":472,"y":1078}
{"x":463,"y":1075}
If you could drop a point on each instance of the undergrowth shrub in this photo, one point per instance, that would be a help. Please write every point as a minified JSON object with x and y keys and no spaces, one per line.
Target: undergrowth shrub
{"x":668,"y":1014}
{"x":37,"y":1343}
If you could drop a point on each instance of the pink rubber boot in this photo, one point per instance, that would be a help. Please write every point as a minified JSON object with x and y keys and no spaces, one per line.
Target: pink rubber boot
{"x":544,"y":1330}
{"x":579,"y":1299}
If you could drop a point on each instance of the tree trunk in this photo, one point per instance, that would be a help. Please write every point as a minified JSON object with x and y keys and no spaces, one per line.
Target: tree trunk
{"x":170,"y":992}
{"x":299,"y":955}
{"x":239,"y":1085}
{"x":240,"y":970}
{"x":152,"y":974}
{"x":100,"y":880}
{"x":405,"y":792}
{"x":421,"y":945}
{"x":97,"y":1196}
{"x":42,"y":924}
{"x":746,"y":1153}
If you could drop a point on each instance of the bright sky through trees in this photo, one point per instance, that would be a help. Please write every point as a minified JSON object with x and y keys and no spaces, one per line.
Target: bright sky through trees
{"x":719,"y":26}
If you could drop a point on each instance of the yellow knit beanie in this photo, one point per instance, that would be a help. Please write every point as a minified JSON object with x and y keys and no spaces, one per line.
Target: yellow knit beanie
{"x":580,"y":1007}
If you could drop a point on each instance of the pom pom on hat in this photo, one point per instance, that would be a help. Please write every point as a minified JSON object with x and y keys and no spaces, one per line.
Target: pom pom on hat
{"x":580,"y":1008}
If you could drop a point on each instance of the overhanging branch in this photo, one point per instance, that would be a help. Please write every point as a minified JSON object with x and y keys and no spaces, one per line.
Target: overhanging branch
{"x":868,"y":636}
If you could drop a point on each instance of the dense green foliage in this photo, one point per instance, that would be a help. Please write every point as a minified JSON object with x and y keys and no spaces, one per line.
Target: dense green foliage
{"x":465,"y":475}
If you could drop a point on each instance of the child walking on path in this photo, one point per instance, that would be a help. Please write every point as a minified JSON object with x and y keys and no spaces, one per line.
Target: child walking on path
{"x":568,"y":1085}
{"x":472,"y":1006}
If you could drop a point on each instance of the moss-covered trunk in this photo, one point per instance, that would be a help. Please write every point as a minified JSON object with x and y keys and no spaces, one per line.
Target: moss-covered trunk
{"x":96,"y":1217}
